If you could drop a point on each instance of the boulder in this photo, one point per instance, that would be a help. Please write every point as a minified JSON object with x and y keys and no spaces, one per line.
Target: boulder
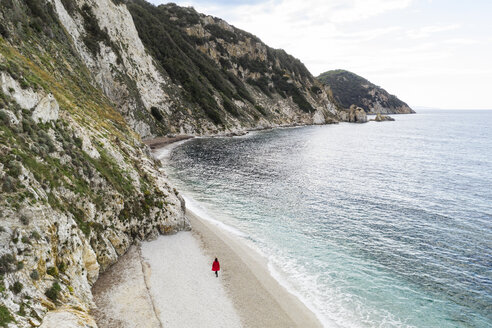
{"x":381,"y":118}
{"x":357,"y":115}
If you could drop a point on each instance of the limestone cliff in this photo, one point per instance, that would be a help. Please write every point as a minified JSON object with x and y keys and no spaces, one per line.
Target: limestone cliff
{"x":349,"y":89}
{"x":77,"y":186}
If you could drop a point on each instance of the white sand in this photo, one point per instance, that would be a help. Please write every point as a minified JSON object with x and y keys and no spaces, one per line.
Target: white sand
{"x":122,"y":297}
{"x":170,"y":284}
{"x":185,"y":291}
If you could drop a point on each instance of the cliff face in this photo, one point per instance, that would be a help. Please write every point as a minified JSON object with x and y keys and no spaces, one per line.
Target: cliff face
{"x":349,"y":89}
{"x":168,"y":69}
{"x":77,"y":186}
{"x":228,"y":79}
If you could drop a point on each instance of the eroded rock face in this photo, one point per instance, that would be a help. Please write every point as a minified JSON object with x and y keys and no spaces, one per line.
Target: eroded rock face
{"x":354,"y":115}
{"x":45,"y":107}
{"x":46,"y":110}
{"x":27,"y":98}
{"x":67,"y":238}
{"x":77,"y":186}
{"x":123,"y":70}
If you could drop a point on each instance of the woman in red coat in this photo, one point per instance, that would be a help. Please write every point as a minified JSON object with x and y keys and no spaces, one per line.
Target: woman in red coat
{"x":216,"y":267}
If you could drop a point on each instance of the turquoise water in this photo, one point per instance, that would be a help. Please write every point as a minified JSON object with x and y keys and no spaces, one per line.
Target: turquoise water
{"x":374,"y":225}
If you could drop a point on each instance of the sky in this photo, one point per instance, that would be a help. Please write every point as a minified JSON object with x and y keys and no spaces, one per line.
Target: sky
{"x":431,"y":53}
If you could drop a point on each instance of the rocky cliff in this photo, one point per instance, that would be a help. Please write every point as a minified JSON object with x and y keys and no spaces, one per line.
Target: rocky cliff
{"x":349,"y":89}
{"x":77,"y":186}
{"x":169,"y":69}
{"x":228,"y":79}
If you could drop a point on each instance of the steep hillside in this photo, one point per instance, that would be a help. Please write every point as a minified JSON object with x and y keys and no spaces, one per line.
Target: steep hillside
{"x":349,"y":89}
{"x":169,"y":69}
{"x":234,"y":79}
{"x":228,"y":74}
{"x":77,"y":186}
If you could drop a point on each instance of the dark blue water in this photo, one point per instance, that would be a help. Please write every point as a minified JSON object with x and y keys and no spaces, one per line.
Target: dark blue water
{"x":374,"y":225}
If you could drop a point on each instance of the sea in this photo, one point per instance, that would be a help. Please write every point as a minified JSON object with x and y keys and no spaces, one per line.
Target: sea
{"x":383,"y":224}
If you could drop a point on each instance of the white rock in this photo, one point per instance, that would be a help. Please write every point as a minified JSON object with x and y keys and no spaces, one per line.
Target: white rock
{"x":106,"y":67}
{"x":88,"y":147}
{"x":68,"y":319}
{"x":26,"y":98}
{"x":90,"y":263}
{"x":46,"y":110}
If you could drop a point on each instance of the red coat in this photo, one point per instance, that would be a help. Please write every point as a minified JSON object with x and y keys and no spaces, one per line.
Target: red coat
{"x":216,"y":266}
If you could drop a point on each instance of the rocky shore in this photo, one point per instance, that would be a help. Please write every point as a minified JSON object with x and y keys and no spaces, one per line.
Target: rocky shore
{"x":382,"y":118}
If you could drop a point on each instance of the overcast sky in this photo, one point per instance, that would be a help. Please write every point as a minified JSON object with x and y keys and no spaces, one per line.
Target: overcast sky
{"x":435,"y":53}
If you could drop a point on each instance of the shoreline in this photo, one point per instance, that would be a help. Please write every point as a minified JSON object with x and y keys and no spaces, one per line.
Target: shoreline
{"x":163,"y":142}
{"x":215,"y":236}
{"x":167,"y":282}
{"x":141,"y":287}
{"x":259,"y":298}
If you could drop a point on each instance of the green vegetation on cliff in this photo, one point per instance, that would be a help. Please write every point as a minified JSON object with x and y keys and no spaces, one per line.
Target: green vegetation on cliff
{"x":39,"y":147}
{"x":5,"y":316}
{"x":349,"y":89}
{"x":75,"y":181}
{"x":163,"y":30}
{"x":175,"y":52}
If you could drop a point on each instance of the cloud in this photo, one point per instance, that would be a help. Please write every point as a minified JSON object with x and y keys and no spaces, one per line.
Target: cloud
{"x":366,"y":35}
{"x":358,"y":10}
{"x":302,"y":27}
{"x":427,"y":31}
{"x":463,"y":41}
{"x":293,"y":14}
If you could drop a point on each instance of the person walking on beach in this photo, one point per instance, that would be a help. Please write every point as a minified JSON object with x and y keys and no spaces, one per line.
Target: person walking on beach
{"x":216,"y":267}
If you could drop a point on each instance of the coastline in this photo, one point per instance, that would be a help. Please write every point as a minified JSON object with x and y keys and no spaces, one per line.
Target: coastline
{"x":162,"y":142}
{"x":132,"y":290}
{"x":167,"y":282}
{"x":279,"y":307}
{"x":258,"y":297}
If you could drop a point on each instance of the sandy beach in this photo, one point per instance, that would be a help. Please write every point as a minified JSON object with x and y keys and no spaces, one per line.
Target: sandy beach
{"x":259,"y":299}
{"x":168,"y":282}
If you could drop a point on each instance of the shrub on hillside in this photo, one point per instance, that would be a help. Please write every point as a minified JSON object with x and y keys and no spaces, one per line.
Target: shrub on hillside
{"x":16,"y":287}
{"x":6,"y":264}
{"x":53,"y":292}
